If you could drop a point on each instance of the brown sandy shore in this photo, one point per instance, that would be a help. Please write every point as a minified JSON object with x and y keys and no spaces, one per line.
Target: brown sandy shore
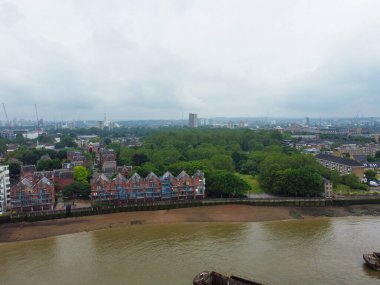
{"x":223,"y":213}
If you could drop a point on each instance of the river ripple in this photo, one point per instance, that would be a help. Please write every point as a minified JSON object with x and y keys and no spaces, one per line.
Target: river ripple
{"x":321,"y":251}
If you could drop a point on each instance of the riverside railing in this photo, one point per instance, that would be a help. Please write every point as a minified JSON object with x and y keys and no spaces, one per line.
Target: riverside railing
{"x":167,"y":205}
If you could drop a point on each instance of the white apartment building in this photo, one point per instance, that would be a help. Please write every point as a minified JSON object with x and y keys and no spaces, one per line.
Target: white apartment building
{"x":5,"y":188}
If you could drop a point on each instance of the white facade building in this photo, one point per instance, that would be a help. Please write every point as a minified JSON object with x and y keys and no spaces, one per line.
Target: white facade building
{"x":5,"y":188}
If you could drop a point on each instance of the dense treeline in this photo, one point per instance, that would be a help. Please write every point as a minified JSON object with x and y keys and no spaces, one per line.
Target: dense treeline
{"x":217,"y":152}
{"x":220,"y":153}
{"x":116,"y":132}
{"x":224,"y":149}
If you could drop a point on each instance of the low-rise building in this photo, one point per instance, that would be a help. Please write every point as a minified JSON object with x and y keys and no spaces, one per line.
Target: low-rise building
{"x":356,"y":150}
{"x":137,"y":188}
{"x":33,"y":194}
{"x":76,"y":158}
{"x":62,"y":178}
{"x":125,"y":170}
{"x":59,"y":177}
{"x":106,"y":155}
{"x":375,"y":166}
{"x":328,"y":186}
{"x":109,"y":167}
{"x":342,"y":165}
{"x":27,"y":170}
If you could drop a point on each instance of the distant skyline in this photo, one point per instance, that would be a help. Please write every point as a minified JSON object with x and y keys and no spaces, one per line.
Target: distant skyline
{"x":131,"y":60}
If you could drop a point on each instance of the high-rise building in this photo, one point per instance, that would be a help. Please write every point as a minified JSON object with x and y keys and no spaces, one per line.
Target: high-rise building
{"x":5,"y":188}
{"x":193,"y":120}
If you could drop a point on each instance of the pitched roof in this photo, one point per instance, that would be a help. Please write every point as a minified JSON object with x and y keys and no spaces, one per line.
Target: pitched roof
{"x":28,"y":168}
{"x":135,"y":176}
{"x":26,"y":182}
{"x":120,"y":177}
{"x":103,"y":177}
{"x":151,"y":176}
{"x":124,"y":168}
{"x":46,"y":181}
{"x":183,"y":174}
{"x":167,"y":174}
{"x":340,"y":160}
{"x":45,"y":157}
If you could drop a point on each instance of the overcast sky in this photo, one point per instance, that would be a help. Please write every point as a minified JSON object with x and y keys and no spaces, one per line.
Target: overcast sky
{"x":141,"y":59}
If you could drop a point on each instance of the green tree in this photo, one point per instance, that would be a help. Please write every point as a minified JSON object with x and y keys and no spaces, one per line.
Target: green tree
{"x":239,"y":158}
{"x":66,"y":141}
{"x":145,"y":169}
{"x":298,"y":182}
{"x":20,"y":140}
{"x":107,"y":141}
{"x":77,"y":189}
{"x":3,"y":146}
{"x":222,"y":162}
{"x":294,"y":175}
{"x":353,"y":182}
{"x":14,"y":171}
{"x":45,"y":139}
{"x":43,"y":165}
{"x":81,"y":174}
{"x":370,"y":174}
{"x":139,"y":159}
{"x":62,"y":154}
{"x":190,"y":167}
{"x":203,"y":151}
{"x":30,"y":157}
{"x":251,"y":165}
{"x":226,"y":184}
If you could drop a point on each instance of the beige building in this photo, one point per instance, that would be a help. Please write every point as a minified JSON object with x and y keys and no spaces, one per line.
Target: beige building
{"x":328,"y":185}
{"x":355,"y":150}
{"x":342,"y":165}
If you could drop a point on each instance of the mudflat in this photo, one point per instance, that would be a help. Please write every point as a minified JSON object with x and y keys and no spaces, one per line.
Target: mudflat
{"x":222,"y":213}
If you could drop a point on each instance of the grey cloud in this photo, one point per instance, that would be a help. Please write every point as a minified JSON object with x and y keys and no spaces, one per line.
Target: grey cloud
{"x":9,"y":14}
{"x":345,"y":84}
{"x":133,"y":60}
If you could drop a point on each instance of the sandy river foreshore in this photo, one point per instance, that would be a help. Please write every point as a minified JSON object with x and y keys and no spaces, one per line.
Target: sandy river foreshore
{"x":223,"y":213}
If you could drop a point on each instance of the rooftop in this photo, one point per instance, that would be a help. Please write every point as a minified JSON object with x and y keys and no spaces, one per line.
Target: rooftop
{"x":339,"y":160}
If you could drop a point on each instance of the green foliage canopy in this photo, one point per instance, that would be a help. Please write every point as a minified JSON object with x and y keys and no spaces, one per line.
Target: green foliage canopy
{"x":226,"y":184}
{"x":81,"y":174}
{"x":295,"y":175}
{"x":77,"y":189}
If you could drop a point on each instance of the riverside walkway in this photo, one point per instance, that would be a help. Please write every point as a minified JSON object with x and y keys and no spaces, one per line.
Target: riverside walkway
{"x":174,"y":204}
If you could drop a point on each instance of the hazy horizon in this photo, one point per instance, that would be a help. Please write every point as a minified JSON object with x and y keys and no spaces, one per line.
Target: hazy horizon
{"x":148,"y":60}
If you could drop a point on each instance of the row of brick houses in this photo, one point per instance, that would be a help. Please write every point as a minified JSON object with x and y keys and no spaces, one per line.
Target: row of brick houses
{"x":36,"y":189}
{"x":60,"y":177}
{"x":33,"y":193}
{"x":152,"y":187}
{"x":107,"y":160}
{"x":76,"y":158}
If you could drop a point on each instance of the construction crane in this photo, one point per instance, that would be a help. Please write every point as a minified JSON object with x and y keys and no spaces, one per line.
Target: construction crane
{"x":38,"y":129}
{"x":6,"y":116}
